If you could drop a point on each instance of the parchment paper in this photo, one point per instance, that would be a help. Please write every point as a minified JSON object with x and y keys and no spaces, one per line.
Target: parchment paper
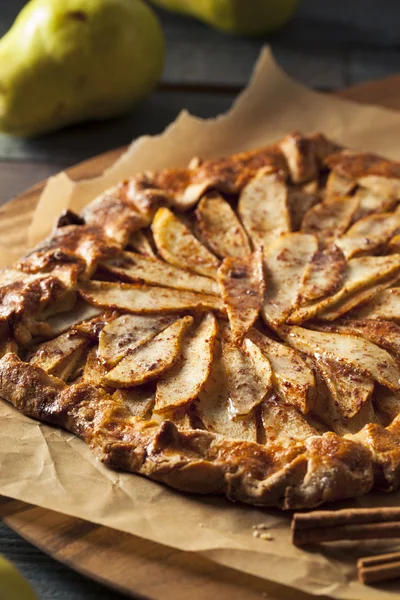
{"x":51,"y":468}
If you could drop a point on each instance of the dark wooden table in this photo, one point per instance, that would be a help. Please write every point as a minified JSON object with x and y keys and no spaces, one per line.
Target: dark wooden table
{"x":327,"y":46}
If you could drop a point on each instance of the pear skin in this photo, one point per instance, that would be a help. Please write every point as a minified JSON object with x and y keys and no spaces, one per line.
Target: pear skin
{"x":12,"y":585}
{"x":243,"y":17}
{"x":76,"y":60}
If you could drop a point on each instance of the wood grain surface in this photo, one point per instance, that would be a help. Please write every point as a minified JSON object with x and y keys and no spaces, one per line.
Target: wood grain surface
{"x":130,"y":565}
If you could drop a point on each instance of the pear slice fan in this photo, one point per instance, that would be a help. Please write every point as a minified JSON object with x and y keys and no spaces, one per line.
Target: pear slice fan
{"x":232,"y":327}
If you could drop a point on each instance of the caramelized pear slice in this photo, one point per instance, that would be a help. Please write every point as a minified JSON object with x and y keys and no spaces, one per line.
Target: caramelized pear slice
{"x":146,"y":298}
{"x":138,"y":400}
{"x":213,"y":406}
{"x":323,"y":275}
{"x":371,"y":203}
{"x":349,"y":389}
{"x":358,"y":297}
{"x":347,"y":350}
{"x":387,"y":404}
{"x":337,"y":185}
{"x":242,"y":287}
{"x":384,"y":186}
{"x":249,"y":376}
{"x":292,"y":379}
{"x":385,"y":306}
{"x":94,"y":369}
{"x":60,"y":356}
{"x":127,"y":333}
{"x":141,"y":243}
{"x":301,"y":157}
{"x":381,"y":333}
{"x":286,"y":261}
{"x":143,"y":269}
{"x":178,"y":246}
{"x":283,"y":423}
{"x":150,"y":360}
{"x":393,"y":246}
{"x":183,"y":382}
{"x":360,"y":273}
{"x":369,"y":234}
{"x":263,"y":208}
{"x":328,"y":412}
{"x":82,"y":311}
{"x":220,"y":228}
{"x":300,"y":202}
{"x":330,"y":218}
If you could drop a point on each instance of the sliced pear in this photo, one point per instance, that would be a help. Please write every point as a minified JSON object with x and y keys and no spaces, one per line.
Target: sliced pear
{"x":213,"y":406}
{"x":143,"y":269}
{"x":394,"y":245}
{"x":387,"y":404}
{"x":385,"y":306}
{"x":301,"y":157}
{"x":337,"y":185}
{"x":384,"y":186}
{"x":60,"y":356}
{"x":82,"y":311}
{"x":360,"y":273}
{"x":349,"y":390}
{"x":323,"y":275}
{"x":292,"y":379}
{"x":220,"y":228}
{"x":178,"y":246}
{"x":94,"y":370}
{"x":300,"y":202}
{"x":141,"y":243}
{"x":370,"y":170}
{"x":183,"y":383}
{"x":358,"y":297}
{"x":381,"y":333}
{"x":139,"y":400}
{"x":146,"y":298}
{"x":127,"y":333}
{"x":349,"y":351}
{"x":286,"y":261}
{"x":180,"y":417}
{"x":283,"y":423}
{"x":263,"y":208}
{"x":242,"y":287}
{"x":330,"y":218}
{"x":329,"y":413}
{"x":248,"y":374}
{"x":369,"y":234}
{"x":150,"y":360}
{"x":371,"y":203}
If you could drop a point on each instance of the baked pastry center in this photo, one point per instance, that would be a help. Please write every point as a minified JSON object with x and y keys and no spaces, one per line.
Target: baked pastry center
{"x":230,"y":327}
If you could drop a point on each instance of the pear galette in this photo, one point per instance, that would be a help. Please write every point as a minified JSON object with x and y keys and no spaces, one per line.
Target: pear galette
{"x":230,"y":327}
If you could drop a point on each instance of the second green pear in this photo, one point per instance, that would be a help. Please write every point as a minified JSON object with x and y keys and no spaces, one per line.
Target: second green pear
{"x":247,"y":17}
{"x":66,"y":61}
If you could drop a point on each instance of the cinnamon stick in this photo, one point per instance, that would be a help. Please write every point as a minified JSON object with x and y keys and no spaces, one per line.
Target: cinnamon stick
{"x":346,"y":516}
{"x":347,"y":524}
{"x":379,"y":568}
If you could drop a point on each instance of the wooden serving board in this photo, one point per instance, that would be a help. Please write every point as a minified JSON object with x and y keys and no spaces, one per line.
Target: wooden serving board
{"x":137,"y":567}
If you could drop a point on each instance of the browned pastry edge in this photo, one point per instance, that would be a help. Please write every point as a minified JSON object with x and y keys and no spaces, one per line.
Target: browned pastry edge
{"x":325,"y":468}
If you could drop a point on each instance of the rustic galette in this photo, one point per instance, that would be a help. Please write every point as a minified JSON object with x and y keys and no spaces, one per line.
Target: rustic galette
{"x":226,"y":328}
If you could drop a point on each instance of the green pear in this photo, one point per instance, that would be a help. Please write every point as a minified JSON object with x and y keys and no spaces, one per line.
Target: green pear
{"x":12,"y":585}
{"x":247,"y":17}
{"x":66,"y":61}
